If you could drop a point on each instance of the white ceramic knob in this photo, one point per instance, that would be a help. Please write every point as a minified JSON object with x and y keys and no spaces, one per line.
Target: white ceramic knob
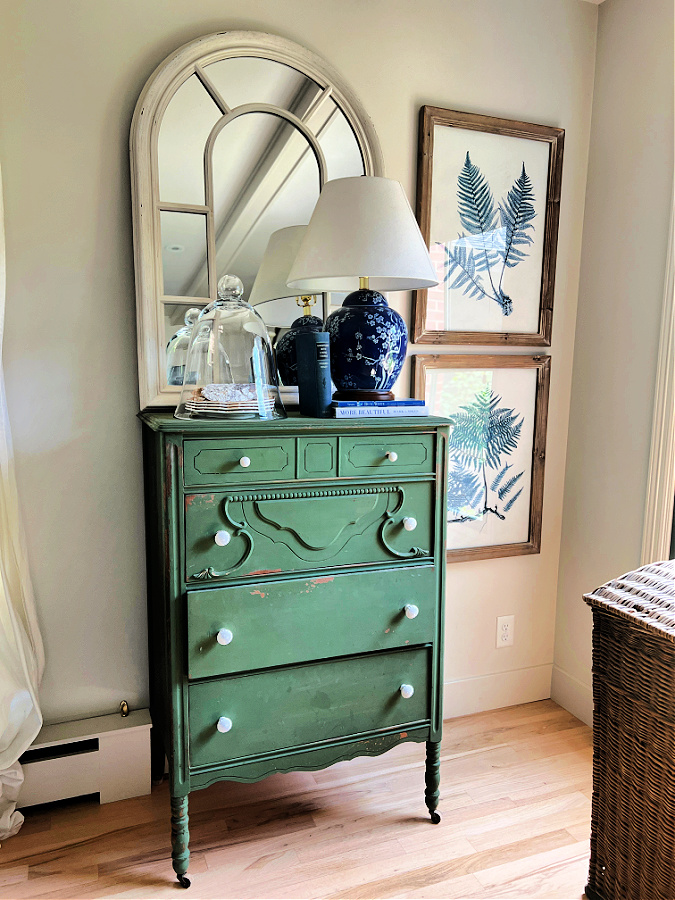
{"x":392,"y":456}
{"x":411,"y":611}
{"x":222,"y":538}
{"x":407,"y":690}
{"x":224,"y":636}
{"x":224,"y":725}
{"x":244,"y":462}
{"x":409,"y":523}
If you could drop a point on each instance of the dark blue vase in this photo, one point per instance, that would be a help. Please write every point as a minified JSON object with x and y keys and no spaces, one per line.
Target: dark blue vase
{"x":368,"y":343}
{"x":287,"y":359}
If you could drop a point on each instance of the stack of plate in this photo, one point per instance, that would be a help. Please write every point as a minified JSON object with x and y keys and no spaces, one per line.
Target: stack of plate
{"x":246,"y":403}
{"x":209,"y":407}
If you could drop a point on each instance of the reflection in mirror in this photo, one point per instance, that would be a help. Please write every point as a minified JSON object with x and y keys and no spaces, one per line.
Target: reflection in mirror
{"x":186,"y":125}
{"x":184,"y":254}
{"x":252,"y":79}
{"x":265,"y":177}
{"x":337,"y":141}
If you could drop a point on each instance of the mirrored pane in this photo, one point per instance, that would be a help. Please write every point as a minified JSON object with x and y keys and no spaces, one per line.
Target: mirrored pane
{"x":184,"y":254}
{"x":337,"y":140}
{"x":186,"y":125}
{"x":265,"y":177}
{"x":250,"y":79}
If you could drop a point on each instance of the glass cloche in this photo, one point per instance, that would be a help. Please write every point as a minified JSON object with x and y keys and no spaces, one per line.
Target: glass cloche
{"x":230,"y":371}
{"x":177,"y":349}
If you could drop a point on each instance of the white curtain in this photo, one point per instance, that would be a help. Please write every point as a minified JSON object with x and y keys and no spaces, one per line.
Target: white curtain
{"x":21,"y":651}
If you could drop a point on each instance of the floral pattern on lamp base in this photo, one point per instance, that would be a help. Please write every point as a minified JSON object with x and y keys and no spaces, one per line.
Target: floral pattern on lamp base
{"x":368,"y":343}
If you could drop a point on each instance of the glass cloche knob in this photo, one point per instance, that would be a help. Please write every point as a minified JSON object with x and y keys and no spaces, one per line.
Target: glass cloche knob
{"x":230,"y":288}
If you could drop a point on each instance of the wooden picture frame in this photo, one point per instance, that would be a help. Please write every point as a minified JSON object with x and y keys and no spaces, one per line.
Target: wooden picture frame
{"x":499,"y":473}
{"x":464,"y":296}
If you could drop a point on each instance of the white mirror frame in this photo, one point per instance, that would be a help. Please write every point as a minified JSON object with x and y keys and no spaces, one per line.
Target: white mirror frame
{"x":158,"y":91}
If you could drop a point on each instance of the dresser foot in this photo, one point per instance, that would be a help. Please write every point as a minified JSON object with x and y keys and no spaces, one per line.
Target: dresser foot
{"x":180,"y":837}
{"x":432,"y":779}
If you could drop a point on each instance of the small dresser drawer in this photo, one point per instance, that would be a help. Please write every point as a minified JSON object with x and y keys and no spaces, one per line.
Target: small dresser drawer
{"x":282,"y":622}
{"x":387,"y":454}
{"x":235,"y":461}
{"x":247,"y":535}
{"x":290,"y":707}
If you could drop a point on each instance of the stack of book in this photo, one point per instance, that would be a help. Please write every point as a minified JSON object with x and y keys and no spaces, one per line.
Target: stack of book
{"x":356,"y":409}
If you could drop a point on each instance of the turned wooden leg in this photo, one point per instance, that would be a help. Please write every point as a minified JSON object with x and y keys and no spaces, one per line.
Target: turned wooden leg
{"x":432,"y":779}
{"x":180,"y":837}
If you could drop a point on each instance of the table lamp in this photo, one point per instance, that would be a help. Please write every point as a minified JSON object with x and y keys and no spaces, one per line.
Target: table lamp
{"x":277,"y":303}
{"x":363,"y":237}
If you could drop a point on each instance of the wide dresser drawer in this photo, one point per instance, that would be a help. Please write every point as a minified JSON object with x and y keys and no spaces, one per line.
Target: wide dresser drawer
{"x":275,"y":623}
{"x":300,"y":705}
{"x":250,"y":534}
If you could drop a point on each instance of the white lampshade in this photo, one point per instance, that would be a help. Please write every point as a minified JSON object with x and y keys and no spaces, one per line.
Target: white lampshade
{"x":362,"y":226}
{"x":270,"y":293}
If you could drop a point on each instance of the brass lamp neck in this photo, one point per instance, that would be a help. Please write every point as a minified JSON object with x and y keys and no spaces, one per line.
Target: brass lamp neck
{"x":364,"y":282}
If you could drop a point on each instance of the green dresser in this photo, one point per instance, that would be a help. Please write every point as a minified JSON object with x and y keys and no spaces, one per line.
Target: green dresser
{"x":295,"y":589}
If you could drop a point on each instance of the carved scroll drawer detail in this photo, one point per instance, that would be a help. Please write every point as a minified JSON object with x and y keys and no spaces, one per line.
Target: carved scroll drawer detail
{"x":246,"y":535}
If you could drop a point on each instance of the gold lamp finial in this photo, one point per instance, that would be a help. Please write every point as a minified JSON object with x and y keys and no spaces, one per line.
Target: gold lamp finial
{"x":307,"y":301}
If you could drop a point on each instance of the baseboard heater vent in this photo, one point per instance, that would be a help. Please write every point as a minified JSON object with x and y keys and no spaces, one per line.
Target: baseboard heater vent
{"x":105,"y":755}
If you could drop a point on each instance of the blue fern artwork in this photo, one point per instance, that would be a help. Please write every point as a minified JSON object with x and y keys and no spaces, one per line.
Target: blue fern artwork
{"x":495,"y":238}
{"x":482,"y":482}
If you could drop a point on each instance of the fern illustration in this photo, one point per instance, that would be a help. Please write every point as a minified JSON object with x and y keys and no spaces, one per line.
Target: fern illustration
{"x":484,"y":246}
{"x":483,"y":434}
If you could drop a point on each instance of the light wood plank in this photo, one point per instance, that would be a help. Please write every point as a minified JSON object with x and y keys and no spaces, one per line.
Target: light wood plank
{"x":515,"y":788}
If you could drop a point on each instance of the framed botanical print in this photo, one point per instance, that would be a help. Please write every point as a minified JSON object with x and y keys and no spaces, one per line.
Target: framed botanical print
{"x":496,"y":450}
{"x":488,"y":197}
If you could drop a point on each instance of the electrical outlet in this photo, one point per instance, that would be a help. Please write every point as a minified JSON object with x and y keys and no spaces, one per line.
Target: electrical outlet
{"x":505,"y":628}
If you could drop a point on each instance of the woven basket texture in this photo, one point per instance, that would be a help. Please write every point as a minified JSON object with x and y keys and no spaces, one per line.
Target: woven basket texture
{"x":633,"y":818}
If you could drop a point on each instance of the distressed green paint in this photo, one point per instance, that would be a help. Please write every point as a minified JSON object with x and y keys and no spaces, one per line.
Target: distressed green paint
{"x":276,"y":623}
{"x":308,"y":531}
{"x":432,"y":778}
{"x":292,"y":523}
{"x":368,"y":455}
{"x":219,"y":461}
{"x":298,"y":705}
{"x":180,"y":835}
{"x":317,"y":457}
{"x":306,"y":759}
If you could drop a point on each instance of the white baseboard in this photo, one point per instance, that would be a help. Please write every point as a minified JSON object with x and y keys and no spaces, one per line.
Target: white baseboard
{"x":573,"y":695}
{"x":472,"y":695}
{"x":114,"y":763}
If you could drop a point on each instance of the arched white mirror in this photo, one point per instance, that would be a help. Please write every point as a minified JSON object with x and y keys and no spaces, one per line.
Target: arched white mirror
{"x":232,"y":139}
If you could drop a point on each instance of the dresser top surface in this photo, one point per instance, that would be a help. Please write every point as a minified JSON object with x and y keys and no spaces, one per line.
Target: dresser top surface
{"x":164,"y":420}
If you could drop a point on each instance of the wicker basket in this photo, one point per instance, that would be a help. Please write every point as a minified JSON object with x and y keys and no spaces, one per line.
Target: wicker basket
{"x":633,"y":820}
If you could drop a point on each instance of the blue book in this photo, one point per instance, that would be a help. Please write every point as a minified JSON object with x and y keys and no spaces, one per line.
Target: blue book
{"x":349,"y":404}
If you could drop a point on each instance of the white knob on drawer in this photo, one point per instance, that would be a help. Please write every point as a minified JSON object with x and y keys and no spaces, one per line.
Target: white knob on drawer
{"x":224,"y":636}
{"x":409,"y":523}
{"x":407,"y":690}
{"x":411,"y":611}
{"x":244,"y":462}
{"x":222,"y":538}
{"x":392,"y":456}
{"x":224,"y":725}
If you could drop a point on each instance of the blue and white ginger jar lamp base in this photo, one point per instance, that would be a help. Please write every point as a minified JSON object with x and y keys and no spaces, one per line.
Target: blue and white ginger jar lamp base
{"x":368,"y":343}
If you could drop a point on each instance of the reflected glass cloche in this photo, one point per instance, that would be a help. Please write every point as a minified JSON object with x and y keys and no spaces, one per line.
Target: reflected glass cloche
{"x":177,"y":349}
{"x":230,"y":370}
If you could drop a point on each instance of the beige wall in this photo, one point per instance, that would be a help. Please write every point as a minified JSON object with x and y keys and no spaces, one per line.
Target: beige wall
{"x":70,"y":74}
{"x":628,"y":204}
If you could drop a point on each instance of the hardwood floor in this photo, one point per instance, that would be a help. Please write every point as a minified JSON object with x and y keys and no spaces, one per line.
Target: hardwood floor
{"x":515,"y":799}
